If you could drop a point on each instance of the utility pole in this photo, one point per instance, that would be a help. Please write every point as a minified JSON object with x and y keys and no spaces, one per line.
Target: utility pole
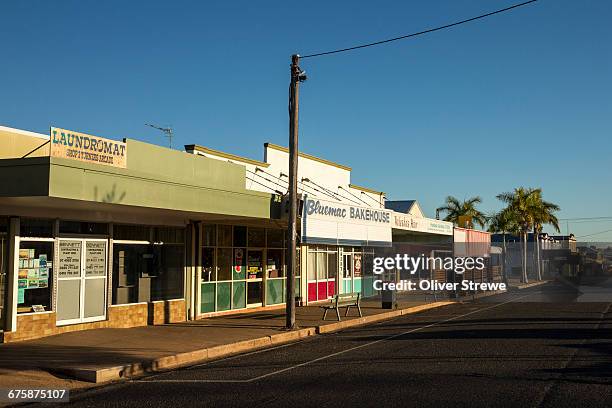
{"x":297,"y":76}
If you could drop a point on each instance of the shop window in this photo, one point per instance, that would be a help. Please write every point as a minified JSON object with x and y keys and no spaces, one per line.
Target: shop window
{"x":84,"y":228}
{"x":132,"y":232}
{"x":240,"y":236}
{"x":239,"y":263}
{"x":209,"y":235}
{"x":169,"y":235}
{"x":332,"y":265}
{"x":142,"y":273}
{"x":275,"y":238}
{"x":208,"y":265}
{"x":224,"y":264}
{"x":255,"y":264}
{"x":357,"y":265}
{"x":35,"y":276}
{"x":368,"y":261}
{"x":224,"y":235}
{"x":34,"y":227}
{"x":311,"y":266}
{"x":168,"y":281}
{"x":321,"y":265}
{"x":126,"y":267}
{"x":274,"y":263}
{"x":257,"y":237}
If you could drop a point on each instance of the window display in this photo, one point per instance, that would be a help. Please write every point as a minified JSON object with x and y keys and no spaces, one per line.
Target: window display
{"x":34,"y":277}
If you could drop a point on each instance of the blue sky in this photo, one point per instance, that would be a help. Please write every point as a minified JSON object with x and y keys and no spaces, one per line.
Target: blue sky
{"x":521,"y":98}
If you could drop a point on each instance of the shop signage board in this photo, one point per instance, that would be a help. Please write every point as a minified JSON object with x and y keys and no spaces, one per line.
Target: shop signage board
{"x":69,"y":259}
{"x":333,"y":223}
{"x":95,"y":253}
{"x":68,"y":144}
{"x":419,"y":224}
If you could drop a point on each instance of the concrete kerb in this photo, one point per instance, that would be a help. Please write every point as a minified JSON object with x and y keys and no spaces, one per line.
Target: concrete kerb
{"x":333,"y":327}
{"x":530,"y":285}
{"x":108,"y":374}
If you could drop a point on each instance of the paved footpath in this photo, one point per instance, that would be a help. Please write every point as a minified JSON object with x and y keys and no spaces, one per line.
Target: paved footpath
{"x":52,"y":361}
{"x":506,"y":351}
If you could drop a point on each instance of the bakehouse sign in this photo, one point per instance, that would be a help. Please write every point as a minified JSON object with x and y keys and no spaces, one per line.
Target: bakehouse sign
{"x":68,"y":144}
{"x":318,"y":207}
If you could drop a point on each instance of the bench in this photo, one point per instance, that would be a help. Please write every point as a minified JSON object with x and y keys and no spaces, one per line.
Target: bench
{"x":344,"y":300}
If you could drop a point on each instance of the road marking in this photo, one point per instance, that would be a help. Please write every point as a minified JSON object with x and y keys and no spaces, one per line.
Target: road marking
{"x":192,"y":367}
{"x":550,"y":387}
{"x":293,"y":367}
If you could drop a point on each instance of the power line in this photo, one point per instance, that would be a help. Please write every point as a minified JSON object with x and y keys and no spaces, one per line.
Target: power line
{"x":590,"y":221}
{"x":430,"y":30}
{"x":585,"y":218}
{"x":595,"y":233}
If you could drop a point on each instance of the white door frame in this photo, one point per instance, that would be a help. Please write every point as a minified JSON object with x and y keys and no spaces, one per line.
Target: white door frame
{"x":83,"y":278}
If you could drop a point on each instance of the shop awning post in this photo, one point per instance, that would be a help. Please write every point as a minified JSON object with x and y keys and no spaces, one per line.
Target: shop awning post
{"x":296,"y":77}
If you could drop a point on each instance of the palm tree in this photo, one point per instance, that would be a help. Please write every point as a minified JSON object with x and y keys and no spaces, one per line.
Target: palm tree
{"x":503,"y":222}
{"x":456,"y":209}
{"x":543,"y":213}
{"x":529,"y":212}
{"x":520,"y":204}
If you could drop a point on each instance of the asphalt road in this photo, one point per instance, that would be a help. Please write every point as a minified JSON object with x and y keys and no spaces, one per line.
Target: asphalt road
{"x":541,"y":347}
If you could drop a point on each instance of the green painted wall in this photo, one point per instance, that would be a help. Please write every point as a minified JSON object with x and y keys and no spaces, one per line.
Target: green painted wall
{"x":155,"y":177}
{"x":24,"y":177}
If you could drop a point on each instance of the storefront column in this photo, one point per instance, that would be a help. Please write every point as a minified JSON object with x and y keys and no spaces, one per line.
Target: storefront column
{"x":198,"y":269}
{"x":303,"y":274}
{"x":13,"y":267}
{"x":109,"y":275}
{"x":189,"y":262}
{"x":191,"y":270}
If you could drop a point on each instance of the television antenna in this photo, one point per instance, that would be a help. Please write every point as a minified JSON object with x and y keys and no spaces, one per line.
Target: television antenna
{"x":168,"y":131}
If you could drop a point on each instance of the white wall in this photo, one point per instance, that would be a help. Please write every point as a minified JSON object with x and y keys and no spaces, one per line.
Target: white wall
{"x":324,"y":179}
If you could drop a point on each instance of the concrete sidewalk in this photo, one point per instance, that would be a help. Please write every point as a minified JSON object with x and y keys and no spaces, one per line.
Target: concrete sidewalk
{"x":77,"y":359}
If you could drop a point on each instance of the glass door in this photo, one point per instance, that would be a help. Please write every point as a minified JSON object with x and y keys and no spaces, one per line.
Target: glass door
{"x":81,"y":280}
{"x":347,"y":273}
{"x":255,"y":266}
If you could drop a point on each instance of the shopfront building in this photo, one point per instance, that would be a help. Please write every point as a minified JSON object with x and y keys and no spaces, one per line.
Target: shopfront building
{"x":92,"y":240}
{"x":94,"y":233}
{"x":242,"y":267}
{"x":416,"y":235}
{"x":77,"y":270}
{"x":340,"y":240}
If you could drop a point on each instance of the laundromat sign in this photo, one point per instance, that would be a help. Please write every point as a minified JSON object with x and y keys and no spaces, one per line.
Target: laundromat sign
{"x":68,"y":144}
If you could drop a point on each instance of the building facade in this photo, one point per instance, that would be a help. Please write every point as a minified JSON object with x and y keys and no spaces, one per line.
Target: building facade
{"x":102,"y":233}
{"x":97,"y":232}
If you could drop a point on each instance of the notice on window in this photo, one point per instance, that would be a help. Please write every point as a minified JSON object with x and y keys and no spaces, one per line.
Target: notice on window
{"x":358,"y":265}
{"x":69,"y":259}
{"x":95,"y":258}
